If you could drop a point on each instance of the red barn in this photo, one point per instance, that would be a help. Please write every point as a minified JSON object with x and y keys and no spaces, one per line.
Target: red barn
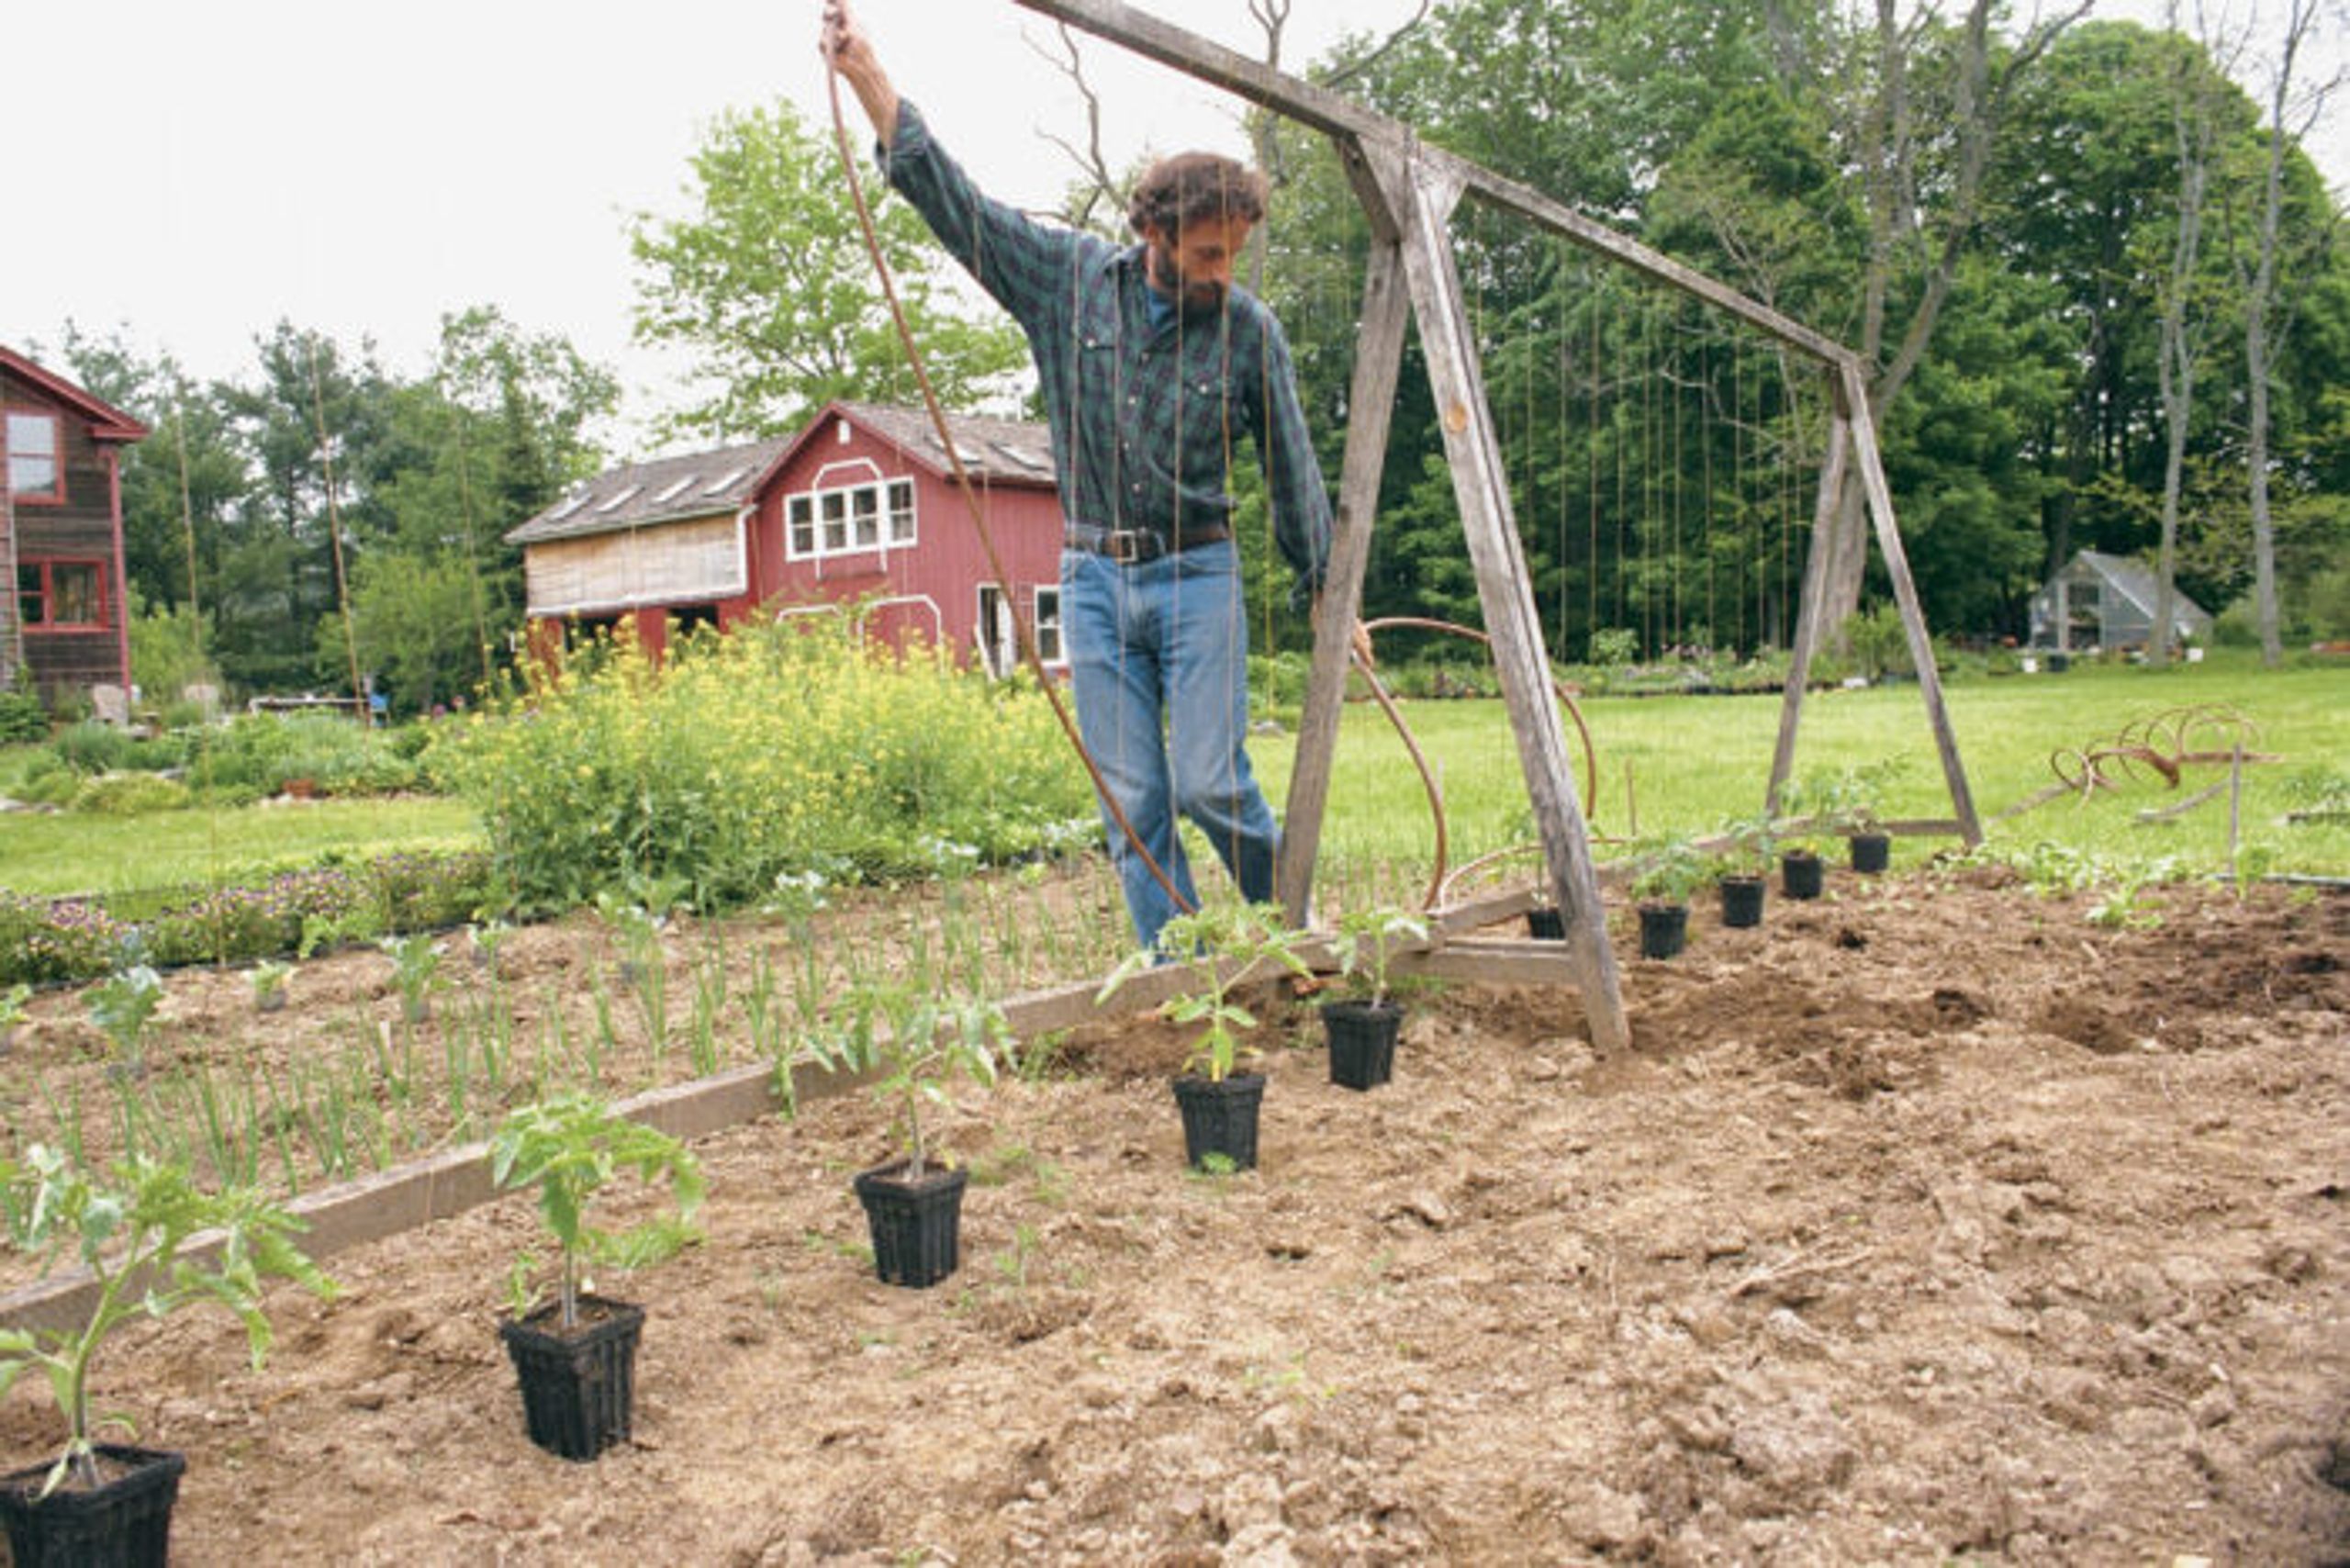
{"x":65,"y":628}
{"x":860,"y":508}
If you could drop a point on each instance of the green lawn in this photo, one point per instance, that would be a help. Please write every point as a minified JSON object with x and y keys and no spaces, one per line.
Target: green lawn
{"x":1689,"y":763}
{"x":72,"y":852}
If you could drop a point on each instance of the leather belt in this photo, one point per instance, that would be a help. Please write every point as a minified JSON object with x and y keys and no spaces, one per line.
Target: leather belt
{"x":1133,"y":546}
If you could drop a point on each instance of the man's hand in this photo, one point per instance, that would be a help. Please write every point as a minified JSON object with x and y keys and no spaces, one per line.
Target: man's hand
{"x":848,"y":49}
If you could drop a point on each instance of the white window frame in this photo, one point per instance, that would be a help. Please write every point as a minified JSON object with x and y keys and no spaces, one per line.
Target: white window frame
{"x":1052,"y":646}
{"x":851,"y":519}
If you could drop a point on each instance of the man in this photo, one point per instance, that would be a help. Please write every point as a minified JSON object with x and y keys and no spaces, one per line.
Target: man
{"x":1154,"y":367}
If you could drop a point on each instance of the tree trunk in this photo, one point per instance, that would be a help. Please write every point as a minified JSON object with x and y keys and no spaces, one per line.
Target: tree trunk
{"x":2299,"y":19}
{"x":2191,"y":119}
{"x":1888,"y":156}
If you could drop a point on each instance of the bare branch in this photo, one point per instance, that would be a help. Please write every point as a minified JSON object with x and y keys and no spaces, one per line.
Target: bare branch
{"x":1099,"y":186}
{"x":1386,"y":47}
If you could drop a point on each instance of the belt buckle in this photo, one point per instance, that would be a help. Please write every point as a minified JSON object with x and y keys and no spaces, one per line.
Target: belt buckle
{"x":1126,"y":545}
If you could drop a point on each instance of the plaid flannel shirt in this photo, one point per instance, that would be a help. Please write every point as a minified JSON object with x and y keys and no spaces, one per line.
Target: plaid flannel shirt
{"x":1144,"y":420}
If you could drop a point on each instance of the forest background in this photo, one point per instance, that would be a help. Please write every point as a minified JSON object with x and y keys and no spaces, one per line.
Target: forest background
{"x":2104,"y":294}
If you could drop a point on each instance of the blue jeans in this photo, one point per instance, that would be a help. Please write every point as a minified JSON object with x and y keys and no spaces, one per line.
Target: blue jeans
{"x":1158,"y":661}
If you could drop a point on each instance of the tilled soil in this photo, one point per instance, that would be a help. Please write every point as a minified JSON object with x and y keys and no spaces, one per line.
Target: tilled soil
{"x":1928,"y":1221}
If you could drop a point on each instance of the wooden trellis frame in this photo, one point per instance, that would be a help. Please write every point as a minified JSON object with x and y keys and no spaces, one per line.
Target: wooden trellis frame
{"x":1408,"y":191}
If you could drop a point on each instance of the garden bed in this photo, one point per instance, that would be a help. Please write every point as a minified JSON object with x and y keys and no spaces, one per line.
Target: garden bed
{"x":1927,"y":1220}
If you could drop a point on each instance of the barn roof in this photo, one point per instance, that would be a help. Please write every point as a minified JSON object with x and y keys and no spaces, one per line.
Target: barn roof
{"x":667,"y":490}
{"x":107,"y":421}
{"x":992,"y":449}
{"x":707,"y":484}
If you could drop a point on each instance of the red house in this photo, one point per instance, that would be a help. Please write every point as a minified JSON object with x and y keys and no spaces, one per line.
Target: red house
{"x":860,"y":509}
{"x":65,"y":628}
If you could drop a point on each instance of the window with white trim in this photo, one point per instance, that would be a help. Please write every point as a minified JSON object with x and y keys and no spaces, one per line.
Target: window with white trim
{"x":36,"y":466}
{"x":1047,"y":625}
{"x":60,"y":596}
{"x":849,"y":518}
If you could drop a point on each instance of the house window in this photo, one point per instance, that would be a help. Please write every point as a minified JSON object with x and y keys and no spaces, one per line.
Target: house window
{"x":849,"y":519}
{"x":60,"y":596}
{"x":35,"y":470}
{"x":1048,"y":625}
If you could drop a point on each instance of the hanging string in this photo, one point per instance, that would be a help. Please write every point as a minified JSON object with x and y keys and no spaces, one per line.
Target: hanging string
{"x":1595,"y":296}
{"x":1566,"y":463}
{"x":1738,"y":448}
{"x":1677,"y":390}
{"x":1706,"y":410}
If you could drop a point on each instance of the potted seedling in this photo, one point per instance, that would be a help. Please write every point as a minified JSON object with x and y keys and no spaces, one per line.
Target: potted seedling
{"x":1664,"y":876}
{"x":1853,"y":812}
{"x":111,"y":1503}
{"x":268,"y":979}
{"x":576,"y":1356}
{"x":13,"y":1014}
{"x":1544,"y":921}
{"x":122,"y":1005}
{"x":1801,"y":875}
{"x":1845,"y":803}
{"x":1745,"y":861}
{"x":1219,"y":947}
{"x":914,"y":1202}
{"x":1361,"y":1026}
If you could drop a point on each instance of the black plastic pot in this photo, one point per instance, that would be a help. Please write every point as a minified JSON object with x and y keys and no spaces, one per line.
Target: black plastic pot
{"x":578,"y":1385}
{"x":125,"y":1522}
{"x":1220,"y":1117}
{"x":1545,"y":924}
{"x":917,"y":1226}
{"x":1664,"y":929}
{"x":1871,"y":851}
{"x":1742,"y":900}
{"x":1801,"y":875}
{"x":1363,"y":1041}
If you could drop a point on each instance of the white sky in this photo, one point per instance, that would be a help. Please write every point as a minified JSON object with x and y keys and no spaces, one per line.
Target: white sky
{"x":362,"y":169}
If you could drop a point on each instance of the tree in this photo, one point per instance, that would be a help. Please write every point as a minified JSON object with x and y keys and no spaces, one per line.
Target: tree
{"x":2197,"y":100}
{"x":767,"y":283}
{"x":2301,"y":17}
{"x":1924,"y":126}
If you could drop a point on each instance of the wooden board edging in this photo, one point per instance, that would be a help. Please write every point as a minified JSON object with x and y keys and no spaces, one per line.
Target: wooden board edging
{"x":383,"y":1204}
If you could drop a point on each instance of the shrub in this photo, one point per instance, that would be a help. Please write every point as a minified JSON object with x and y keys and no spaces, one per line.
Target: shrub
{"x":54,"y":784}
{"x":89,"y":746}
{"x":1613,"y":645}
{"x":22,"y":717}
{"x":69,"y":940}
{"x":130,"y":794}
{"x":225,"y":925}
{"x":273,"y":914}
{"x":264,"y":751}
{"x":749,"y":756}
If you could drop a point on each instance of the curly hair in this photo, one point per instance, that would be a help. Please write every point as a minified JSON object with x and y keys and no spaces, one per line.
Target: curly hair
{"x":1190,"y":186}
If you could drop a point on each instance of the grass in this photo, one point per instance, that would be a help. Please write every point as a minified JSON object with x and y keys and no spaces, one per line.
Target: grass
{"x":75,"y":853}
{"x":1674,"y":763}
{"x":1686,"y":764}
